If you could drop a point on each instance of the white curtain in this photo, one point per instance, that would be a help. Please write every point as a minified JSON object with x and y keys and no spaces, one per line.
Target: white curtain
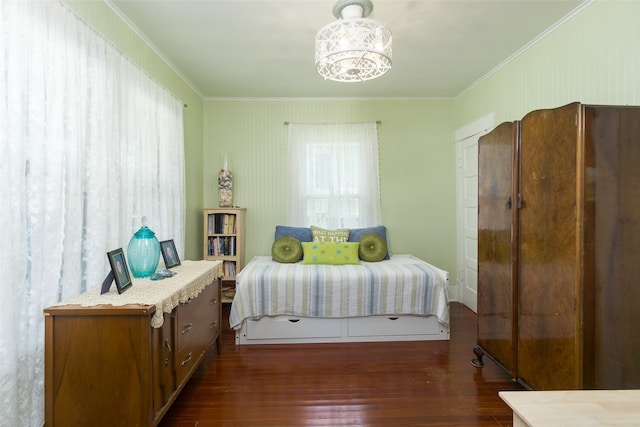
{"x":88,"y":145}
{"x":333,"y":175}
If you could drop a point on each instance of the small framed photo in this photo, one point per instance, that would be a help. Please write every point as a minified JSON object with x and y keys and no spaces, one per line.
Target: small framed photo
{"x":169,"y":253}
{"x":120,"y":270}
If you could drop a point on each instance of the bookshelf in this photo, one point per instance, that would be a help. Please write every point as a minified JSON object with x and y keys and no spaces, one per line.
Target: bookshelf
{"x":224,"y":241}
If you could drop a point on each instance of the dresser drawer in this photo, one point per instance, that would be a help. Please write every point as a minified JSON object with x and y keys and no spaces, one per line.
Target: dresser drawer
{"x":198,"y":325}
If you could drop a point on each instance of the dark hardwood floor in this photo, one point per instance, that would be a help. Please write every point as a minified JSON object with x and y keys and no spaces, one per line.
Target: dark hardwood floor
{"x":365,"y":384}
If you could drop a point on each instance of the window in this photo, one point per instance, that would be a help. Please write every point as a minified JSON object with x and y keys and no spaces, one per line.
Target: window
{"x":333,"y":175}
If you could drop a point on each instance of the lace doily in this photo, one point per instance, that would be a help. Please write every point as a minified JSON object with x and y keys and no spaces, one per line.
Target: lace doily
{"x":165,"y":295}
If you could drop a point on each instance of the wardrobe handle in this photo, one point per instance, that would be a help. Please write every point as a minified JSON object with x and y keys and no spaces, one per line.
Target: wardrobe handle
{"x":509,"y":202}
{"x":521,"y":202}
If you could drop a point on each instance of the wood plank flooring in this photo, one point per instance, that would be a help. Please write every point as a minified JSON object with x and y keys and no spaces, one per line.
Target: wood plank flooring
{"x":359,"y":384}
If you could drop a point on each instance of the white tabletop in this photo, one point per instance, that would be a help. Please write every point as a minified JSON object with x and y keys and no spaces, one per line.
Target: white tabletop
{"x":579,"y":408}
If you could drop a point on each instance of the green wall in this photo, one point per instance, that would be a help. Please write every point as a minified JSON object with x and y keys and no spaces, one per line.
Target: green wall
{"x":593,"y":57}
{"x":417,"y":174}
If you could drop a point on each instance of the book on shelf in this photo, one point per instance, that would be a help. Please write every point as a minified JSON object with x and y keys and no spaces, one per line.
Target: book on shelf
{"x":228,"y":293}
{"x":220,"y":223}
{"x":222,"y":245}
{"x":225,"y":224}
{"x":229,"y":268}
{"x":231,"y":226}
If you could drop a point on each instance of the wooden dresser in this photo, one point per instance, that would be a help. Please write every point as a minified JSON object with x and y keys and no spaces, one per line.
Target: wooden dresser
{"x":123,"y":359}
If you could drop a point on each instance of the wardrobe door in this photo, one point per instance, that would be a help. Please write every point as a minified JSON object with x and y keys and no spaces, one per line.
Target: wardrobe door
{"x":549,"y":347}
{"x":496,"y":284}
{"x":613,"y":269}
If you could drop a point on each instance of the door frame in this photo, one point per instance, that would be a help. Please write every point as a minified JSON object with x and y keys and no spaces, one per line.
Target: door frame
{"x":468,"y":134}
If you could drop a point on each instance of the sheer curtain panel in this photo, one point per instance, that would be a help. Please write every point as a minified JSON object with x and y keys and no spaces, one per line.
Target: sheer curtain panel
{"x":88,"y":144}
{"x":333,"y":175}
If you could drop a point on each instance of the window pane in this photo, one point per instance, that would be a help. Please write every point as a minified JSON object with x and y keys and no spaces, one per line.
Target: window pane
{"x":334,"y":175}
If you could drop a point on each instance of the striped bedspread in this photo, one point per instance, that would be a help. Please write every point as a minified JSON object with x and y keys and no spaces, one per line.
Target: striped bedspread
{"x":402,"y":285}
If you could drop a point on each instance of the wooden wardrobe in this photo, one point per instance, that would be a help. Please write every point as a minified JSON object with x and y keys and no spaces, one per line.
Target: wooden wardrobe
{"x":559,"y":248}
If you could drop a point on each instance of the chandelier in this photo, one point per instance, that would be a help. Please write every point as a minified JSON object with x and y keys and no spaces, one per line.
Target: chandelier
{"x":353,"y":48}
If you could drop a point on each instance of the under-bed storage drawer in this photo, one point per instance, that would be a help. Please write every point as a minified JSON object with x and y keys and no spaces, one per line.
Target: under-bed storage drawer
{"x":292,"y":327}
{"x":393,"y":325}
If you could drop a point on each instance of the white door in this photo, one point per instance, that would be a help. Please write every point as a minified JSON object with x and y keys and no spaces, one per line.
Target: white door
{"x":467,"y":208}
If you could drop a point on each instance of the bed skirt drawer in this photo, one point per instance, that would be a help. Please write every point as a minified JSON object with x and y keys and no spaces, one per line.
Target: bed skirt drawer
{"x":293,"y":330}
{"x":292,"y":327}
{"x":393,"y":325}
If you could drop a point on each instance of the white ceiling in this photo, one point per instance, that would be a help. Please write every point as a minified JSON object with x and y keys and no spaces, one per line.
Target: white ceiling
{"x":265,"y":48}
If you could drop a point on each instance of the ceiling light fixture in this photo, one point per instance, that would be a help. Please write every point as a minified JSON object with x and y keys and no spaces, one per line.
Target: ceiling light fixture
{"x":353,"y":48}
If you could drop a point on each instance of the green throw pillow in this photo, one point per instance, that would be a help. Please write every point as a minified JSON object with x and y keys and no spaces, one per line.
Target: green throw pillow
{"x":286,"y":249}
{"x":355,"y":234}
{"x":373,"y":248}
{"x":330,"y":253}
{"x":329,"y":236}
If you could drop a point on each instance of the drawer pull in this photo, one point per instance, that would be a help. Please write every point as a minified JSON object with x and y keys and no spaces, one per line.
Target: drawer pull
{"x":185,"y":361}
{"x":213,"y":325}
{"x":187,"y":328}
{"x":294,"y":320}
{"x":393,"y":318}
{"x":168,"y":347}
{"x":213,"y":301}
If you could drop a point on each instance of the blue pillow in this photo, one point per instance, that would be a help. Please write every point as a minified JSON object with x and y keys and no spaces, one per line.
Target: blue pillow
{"x":301,"y":233}
{"x":355,"y":234}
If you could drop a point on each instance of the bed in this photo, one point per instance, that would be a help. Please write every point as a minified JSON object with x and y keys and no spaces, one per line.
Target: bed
{"x":402,"y":298}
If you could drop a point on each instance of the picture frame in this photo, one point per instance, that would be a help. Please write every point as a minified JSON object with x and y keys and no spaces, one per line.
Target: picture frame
{"x":120,"y":270}
{"x":169,"y":253}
